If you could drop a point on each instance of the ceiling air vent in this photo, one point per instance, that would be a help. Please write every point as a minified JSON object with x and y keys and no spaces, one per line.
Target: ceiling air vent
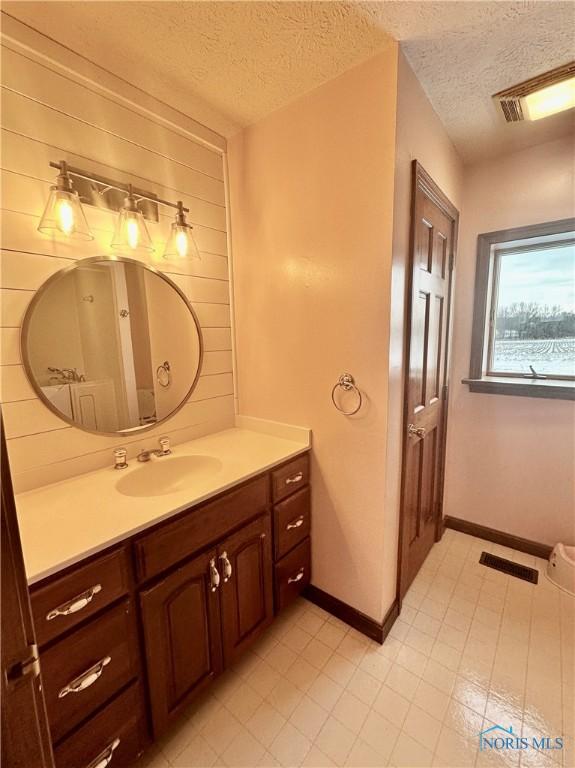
{"x":514,"y":103}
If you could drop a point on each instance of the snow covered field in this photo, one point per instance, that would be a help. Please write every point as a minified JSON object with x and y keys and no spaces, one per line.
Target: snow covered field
{"x":549,"y":356}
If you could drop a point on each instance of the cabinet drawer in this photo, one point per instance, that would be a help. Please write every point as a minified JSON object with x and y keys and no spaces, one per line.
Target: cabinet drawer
{"x":70,"y":599}
{"x":176,"y":541}
{"x":290,"y":477}
{"x":291,"y":522}
{"x":85,"y":669}
{"x":118,"y":730}
{"x":292,"y":574}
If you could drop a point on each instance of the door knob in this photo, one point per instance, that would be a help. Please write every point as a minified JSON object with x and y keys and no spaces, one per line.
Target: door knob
{"x":414,"y":431}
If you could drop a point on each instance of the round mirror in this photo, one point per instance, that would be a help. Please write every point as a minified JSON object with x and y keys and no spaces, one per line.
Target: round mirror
{"x":111,"y":346}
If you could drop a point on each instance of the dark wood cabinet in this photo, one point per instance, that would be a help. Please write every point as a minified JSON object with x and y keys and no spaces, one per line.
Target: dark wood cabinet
{"x":181,"y":621}
{"x":292,"y":527}
{"x":246,"y":590}
{"x":66,"y":601}
{"x":200,"y":527}
{"x":116,"y":733}
{"x":88,"y":668}
{"x":185,"y":598}
{"x":292,"y":574}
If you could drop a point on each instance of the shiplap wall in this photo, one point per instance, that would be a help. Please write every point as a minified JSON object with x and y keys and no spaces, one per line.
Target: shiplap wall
{"x":49,"y":115}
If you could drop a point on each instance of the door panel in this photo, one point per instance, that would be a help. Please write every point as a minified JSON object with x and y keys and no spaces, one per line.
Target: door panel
{"x":181,"y":622}
{"x":25,"y":735}
{"x":246,"y":595}
{"x":434,"y":229}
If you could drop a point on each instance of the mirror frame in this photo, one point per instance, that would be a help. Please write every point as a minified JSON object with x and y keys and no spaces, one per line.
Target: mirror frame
{"x":28,"y":368}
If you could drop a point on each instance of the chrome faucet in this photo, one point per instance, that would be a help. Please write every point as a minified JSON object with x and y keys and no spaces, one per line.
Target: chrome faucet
{"x":120,"y":458}
{"x":163,"y":450}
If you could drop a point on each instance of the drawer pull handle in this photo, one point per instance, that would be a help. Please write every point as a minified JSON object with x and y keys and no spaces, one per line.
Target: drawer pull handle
{"x":297,"y":523}
{"x":105,"y":757}
{"x":75,"y":604}
{"x":86,"y":679}
{"x":295,"y":479}
{"x":227,"y":566}
{"x":214,"y":575}
{"x":299,"y":577}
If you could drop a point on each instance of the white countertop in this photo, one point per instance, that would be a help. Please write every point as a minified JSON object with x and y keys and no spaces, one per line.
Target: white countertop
{"x":62,"y":523}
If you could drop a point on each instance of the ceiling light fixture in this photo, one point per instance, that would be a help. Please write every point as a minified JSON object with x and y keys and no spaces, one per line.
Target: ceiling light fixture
{"x":550,"y":100}
{"x":181,"y":243}
{"x":541,"y":96}
{"x":63,"y":213}
{"x":131,"y":232}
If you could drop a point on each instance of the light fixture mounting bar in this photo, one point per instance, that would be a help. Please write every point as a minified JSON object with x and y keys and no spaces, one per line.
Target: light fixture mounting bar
{"x":112,"y":184}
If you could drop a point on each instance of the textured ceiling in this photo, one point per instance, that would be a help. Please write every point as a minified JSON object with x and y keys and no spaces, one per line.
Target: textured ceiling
{"x":230,"y":63}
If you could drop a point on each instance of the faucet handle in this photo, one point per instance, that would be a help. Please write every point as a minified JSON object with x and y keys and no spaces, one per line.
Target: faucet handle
{"x":164,"y":446}
{"x":120,"y":458}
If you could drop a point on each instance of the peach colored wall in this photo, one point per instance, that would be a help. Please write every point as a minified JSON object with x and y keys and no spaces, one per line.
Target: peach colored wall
{"x":510,"y":460}
{"x":420,"y":135}
{"x":311,"y":204}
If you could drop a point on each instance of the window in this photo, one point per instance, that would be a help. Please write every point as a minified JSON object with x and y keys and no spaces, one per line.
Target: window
{"x":532,"y":327}
{"x":524,"y":316}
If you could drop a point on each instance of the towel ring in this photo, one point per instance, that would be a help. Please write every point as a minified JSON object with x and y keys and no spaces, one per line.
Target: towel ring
{"x":164,"y":374}
{"x":347,"y":382}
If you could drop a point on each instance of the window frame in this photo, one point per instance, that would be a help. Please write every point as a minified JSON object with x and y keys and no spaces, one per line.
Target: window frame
{"x":481,"y":379}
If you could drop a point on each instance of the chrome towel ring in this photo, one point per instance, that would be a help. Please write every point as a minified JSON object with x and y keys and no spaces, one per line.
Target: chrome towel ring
{"x":164,"y":374}
{"x":347,"y":383}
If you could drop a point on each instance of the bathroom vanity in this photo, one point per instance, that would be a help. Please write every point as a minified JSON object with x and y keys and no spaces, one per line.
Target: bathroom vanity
{"x":138,"y":608}
{"x":150,"y":577}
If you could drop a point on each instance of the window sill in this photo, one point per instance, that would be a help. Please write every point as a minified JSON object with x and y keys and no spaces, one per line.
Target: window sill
{"x":555,"y":389}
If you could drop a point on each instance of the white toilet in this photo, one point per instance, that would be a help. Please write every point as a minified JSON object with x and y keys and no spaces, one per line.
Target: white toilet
{"x":561,"y":567}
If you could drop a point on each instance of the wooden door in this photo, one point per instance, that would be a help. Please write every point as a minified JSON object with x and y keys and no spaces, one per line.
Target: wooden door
{"x":25,"y":734}
{"x":182,"y":636}
{"x":246,"y":594}
{"x":433,"y":239}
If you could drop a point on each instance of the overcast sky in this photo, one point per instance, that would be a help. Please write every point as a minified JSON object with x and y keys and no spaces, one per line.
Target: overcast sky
{"x":545,"y":277}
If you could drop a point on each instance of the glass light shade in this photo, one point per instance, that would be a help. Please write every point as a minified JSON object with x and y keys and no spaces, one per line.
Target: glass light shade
{"x":181,"y":243}
{"x":64,"y":214}
{"x":131,"y":233}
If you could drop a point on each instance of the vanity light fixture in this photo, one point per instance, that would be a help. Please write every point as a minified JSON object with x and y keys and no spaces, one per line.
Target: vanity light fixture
{"x":181,"y":243}
{"x":63,"y":212}
{"x":131,"y":232}
{"x":541,"y":96}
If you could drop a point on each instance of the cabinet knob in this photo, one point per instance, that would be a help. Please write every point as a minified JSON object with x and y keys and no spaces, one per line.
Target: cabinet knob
{"x":86,"y":679}
{"x":214,"y":575}
{"x":227,"y":566}
{"x":105,"y":757}
{"x":75,"y":604}
{"x":299,"y":577}
{"x":297,"y":523}
{"x":295,"y":479}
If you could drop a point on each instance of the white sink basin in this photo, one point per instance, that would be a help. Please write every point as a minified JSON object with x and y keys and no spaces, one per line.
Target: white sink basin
{"x":167,"y":474}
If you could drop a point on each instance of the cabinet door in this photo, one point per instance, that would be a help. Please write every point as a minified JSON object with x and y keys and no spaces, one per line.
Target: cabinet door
{"x":245,"y":565}
{"x":182,"y":635}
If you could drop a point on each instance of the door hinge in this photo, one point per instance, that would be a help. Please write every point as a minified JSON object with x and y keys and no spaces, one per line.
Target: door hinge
{"x":451,"y":261}
{"x":444,"y":392}
{"x":30,"y":666}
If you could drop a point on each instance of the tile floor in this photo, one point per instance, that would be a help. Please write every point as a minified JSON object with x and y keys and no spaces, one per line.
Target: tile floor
{"x":472,"y":647}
